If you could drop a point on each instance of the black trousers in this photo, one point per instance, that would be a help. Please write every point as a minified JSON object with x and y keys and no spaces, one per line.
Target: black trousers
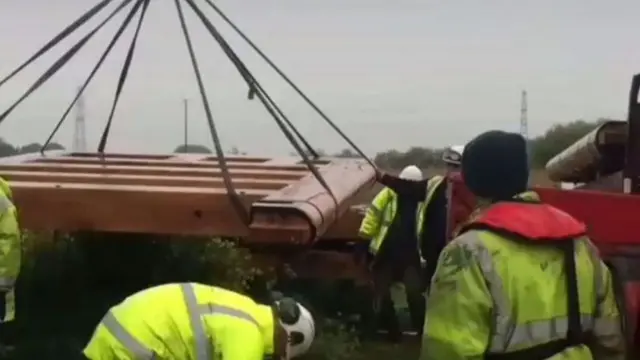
{"x":411,"y":277}
{"x":7,"y":330}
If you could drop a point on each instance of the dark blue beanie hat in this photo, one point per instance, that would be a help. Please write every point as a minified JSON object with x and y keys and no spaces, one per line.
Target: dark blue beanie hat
{"x":495,"y":165}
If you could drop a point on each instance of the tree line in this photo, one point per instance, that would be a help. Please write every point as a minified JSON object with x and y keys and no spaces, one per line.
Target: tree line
{"x":8,"y":149}
{"x":542,"y":148}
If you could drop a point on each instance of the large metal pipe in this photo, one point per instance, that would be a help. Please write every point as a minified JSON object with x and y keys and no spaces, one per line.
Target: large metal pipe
{"x":580,"y":162}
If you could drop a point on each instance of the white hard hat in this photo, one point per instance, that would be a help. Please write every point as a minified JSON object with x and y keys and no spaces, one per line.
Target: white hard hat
{"x":411,"y":172}
{"x":299,"y":325}
{"x":453,"y":155}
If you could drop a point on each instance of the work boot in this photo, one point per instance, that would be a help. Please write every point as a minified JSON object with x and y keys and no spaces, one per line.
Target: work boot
{"x":6,"y":351}
{"x":389,"y":320}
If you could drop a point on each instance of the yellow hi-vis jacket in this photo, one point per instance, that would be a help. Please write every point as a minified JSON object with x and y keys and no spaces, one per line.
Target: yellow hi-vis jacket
{"x":184,"y":321}
{"x":494,"y":296}
{"x":10,"y":251}
{"x":382,"y":212}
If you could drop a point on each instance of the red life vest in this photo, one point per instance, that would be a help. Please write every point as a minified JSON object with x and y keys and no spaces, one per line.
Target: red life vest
{"x":540,"y":223}
{"x":461,"y":205}
{"x":532,"y":221}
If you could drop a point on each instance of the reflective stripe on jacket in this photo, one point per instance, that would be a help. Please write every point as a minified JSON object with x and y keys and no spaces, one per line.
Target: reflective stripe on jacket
{"x":382,"y":212}
{"x":184,"y":321}
{"x":10,"y":244}
{"x":493,"y":295}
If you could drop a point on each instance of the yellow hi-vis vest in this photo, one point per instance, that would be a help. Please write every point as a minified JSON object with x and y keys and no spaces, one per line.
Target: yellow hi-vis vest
{"x":382,"y":212}
{"x":184,"y":321}
{"x":10,"y":254}
{"x":494,"y":295}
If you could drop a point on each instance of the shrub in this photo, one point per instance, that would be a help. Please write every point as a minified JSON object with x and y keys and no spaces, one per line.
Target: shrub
{"x":67,"y":283}
{"x":334,"y":342}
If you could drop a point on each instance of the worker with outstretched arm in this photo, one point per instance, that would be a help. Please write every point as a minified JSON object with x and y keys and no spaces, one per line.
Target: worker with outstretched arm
{"x":522,"y":279}
{"x":199,"y":322}
{"x":10,"y":257}
{"x":433,"y":217}
{"x":390,"y":225}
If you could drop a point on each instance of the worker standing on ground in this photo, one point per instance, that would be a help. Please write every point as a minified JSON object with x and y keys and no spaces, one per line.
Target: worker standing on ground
{"x":10,"y":257}
{"x":433,"y":217}
{"x":190,"y":321}
{"x":522,"y":280}
{"x":390,"y":224}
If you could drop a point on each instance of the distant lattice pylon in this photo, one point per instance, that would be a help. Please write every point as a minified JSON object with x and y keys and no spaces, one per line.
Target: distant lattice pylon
{"x":524,"y":126}
{"x":79,"y":134}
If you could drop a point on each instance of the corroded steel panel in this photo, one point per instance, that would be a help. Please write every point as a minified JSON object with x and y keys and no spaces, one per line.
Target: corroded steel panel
{"x":181,"y":194}
{"x":306,"y":201}
{"x":127,"y":208}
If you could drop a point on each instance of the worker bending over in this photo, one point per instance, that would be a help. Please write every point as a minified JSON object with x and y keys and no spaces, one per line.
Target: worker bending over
{"x":191,"y":321}
{"x":432,"y":219}
{"x":522,"y":280}
{"x":10,"y":257}
{"x":390,"y":224}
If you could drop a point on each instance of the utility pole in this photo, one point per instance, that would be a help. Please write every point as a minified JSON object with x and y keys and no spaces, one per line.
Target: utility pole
{"x":79,"y":134}
{"x":524,"y":122}
{"x":524,"y":126}
{"x":186,"y":123}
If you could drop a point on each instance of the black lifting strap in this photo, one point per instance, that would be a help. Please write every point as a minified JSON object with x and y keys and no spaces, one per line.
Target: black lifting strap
{"x":93,"y":72}
{"x":62,"y":60}
{"x":288,"y":81}
{"x":575,"y":334}
{"x":272,"y":108}
{"x":234,"y":197}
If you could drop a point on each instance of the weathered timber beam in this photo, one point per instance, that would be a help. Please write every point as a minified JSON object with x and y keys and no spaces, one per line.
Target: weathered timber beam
{"x":208,"y":163}
{"x":120,"y":179}
{"x":138,"y":209}
{"x":152,"y":170}
{"x":305,"y":208}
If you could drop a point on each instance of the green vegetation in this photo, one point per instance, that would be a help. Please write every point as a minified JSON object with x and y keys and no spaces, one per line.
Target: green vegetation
{"x":7,"y":149}
{"x":543,"y":147}
{"x":68,"y":283}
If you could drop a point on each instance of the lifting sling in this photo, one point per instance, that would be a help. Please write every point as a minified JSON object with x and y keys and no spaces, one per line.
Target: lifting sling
{"x":140,"y":7}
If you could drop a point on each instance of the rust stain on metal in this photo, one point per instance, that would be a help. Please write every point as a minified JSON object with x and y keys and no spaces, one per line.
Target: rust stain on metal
{"x":307,"y":201}
{"x":181,"y":194}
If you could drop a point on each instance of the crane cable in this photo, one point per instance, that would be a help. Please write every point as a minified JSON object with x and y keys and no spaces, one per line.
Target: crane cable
{"x":61,"y":36}
{"x":224,"y":168}
{"x":123,"y":73}
{"x":95,"y":69}
{"x":254,"y":86}
{"x":251,"y":82}
{"x":62,"y":60}
{"x":288,"y":80}
{"x":265,"y":99}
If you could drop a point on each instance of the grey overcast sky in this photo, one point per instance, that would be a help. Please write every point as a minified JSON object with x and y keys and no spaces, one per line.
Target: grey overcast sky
{"x":392,"y":74}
